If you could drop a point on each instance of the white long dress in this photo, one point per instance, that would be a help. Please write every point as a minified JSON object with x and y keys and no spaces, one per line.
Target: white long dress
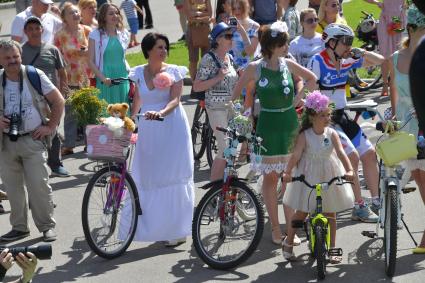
{"x":163,"y":165}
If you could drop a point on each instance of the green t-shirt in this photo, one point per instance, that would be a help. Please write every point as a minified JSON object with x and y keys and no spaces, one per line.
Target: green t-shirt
{"x":49,"y":60}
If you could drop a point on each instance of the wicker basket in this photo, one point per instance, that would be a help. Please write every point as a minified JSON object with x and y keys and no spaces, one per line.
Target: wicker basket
{"x":104,"y":144}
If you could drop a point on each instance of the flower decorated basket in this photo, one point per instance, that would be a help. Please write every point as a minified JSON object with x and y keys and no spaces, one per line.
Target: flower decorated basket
{"x":104,"y":144}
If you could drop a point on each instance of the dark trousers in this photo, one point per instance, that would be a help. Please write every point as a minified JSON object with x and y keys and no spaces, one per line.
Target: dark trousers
{"x":54,"y":160}
{"x":144,"y":4}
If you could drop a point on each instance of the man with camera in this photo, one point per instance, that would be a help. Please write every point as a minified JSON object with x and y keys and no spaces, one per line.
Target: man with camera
{"x":28,"y":120}
{"x":26,"y":262}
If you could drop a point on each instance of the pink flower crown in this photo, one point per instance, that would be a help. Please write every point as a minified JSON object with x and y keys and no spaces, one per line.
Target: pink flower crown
{"x":317,"y":101}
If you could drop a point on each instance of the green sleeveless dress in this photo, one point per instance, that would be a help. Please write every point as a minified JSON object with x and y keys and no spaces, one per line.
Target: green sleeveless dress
{"x":114,"y":67}
{"x":278,"y":122}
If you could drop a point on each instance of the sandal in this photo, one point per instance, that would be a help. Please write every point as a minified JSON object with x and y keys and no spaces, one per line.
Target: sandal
{"x":335,"y":255}
{"x":289,"y":256}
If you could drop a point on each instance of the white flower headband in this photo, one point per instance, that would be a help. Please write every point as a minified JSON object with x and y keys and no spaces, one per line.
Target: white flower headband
{"x":278,"y":27}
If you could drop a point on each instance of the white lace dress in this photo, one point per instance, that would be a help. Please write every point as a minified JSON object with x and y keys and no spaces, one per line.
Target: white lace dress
{"x":163,"y":165}
{"x":319,"y":163}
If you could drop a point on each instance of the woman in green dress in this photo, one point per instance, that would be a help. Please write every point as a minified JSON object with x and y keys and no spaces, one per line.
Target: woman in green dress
{"x":107,"y":45}
{"x":277,"y":123}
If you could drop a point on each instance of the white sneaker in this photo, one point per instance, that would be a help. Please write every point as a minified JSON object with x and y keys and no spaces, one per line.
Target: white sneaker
{"x":175,"y":242}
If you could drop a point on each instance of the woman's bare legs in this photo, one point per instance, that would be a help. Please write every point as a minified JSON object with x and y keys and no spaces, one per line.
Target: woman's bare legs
{"x":270,"y":200}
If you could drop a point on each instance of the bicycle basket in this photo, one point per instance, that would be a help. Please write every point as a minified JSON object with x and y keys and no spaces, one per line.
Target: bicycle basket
{"x":241,"y":124}
{"x":398,"y":147}
{"x":104,"y":144}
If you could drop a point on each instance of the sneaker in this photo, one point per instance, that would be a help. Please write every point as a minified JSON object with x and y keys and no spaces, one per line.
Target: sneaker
{"x":175,"y":242}
{"x":60,"y":172}
{"x":3,"y":195}
{"x":375,"y":208}
{"x":14,"y":235}
{"x":49,"y":235}
{"x":364,"y":214}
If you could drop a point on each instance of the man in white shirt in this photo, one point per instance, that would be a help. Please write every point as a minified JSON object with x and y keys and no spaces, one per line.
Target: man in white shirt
{"x":24,"y":127}
{"x":39,"y":8}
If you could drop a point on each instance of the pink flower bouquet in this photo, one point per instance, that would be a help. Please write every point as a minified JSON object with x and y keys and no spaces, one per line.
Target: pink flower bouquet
{"x":162,"y":80}
{"x":317,"y":101}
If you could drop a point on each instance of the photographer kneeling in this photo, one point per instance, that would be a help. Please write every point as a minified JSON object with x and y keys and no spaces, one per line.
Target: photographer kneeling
{"x":26,"y":263}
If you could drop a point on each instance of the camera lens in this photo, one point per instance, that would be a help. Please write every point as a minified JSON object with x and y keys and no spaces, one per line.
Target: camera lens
{"x":41,"y":251}
{"x":15,"y":121}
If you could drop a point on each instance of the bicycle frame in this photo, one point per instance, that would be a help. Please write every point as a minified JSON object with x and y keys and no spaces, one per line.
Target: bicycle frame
{"x":318,"y":216}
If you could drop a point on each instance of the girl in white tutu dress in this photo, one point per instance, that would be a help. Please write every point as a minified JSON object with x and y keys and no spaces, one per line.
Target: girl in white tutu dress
{"x":318,"y":154}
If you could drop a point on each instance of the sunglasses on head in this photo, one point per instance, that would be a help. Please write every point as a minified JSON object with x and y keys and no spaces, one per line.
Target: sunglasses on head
{"x":311,"y":20}
{"x":346,"y":40}
{"x":228,"y":36}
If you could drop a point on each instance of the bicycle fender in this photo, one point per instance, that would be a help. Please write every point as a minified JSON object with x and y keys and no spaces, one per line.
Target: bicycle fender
{"x":219,"y":182}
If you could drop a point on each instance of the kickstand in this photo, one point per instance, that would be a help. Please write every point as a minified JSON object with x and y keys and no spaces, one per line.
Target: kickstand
{"x":408,"y":231}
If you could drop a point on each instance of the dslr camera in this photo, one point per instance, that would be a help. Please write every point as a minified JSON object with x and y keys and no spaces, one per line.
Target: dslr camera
{"x":233,"y":22}
{"x":40,"y":251}
{"x":15,"y":122}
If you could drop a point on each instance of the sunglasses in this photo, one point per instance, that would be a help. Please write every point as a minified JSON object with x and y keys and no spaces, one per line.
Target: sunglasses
{"x":346,"y":40}
{"x":311,"y":20}
{"x":228,"y":36}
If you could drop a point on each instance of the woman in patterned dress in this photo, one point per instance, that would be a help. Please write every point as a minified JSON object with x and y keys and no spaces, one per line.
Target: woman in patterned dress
{"x":277,"y":123}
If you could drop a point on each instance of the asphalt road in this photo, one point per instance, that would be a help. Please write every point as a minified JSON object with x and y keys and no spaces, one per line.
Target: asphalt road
{"x":73,"y":261}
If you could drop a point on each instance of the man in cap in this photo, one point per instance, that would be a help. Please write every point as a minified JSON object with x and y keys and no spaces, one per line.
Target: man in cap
{"x":39,"y":8}
{"x":47,"y":58}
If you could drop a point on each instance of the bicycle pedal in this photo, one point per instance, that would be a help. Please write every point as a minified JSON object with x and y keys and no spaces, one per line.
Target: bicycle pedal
{"x":369,"y":234}
{"x":297,"y":224}
{"x":335,"y":252}
{"x":407,"y":190}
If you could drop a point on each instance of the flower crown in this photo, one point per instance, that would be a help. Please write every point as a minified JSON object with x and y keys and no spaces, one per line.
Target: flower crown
{"x":317,"y":101}
{"x":278,"y":27}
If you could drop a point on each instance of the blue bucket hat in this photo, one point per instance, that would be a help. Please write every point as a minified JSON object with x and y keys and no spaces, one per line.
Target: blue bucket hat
{"x":219,"y":29}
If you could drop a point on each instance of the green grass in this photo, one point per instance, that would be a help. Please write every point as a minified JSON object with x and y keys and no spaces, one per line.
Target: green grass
{"x":178,"y":51}
{"x":353,"y":14}
{"x":178,"y":55}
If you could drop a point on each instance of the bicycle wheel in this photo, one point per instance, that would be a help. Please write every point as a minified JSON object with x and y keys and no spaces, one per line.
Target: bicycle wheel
{"x":367,"y":78}
{"x":221,"y":236}
{"x":390,"y":230}
{"x":109,"y":226}
{"x":212,"y":147}
{"x":199,"y":132}
{"x":320,"y":249}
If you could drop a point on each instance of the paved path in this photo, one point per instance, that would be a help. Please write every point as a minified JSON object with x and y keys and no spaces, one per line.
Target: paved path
{"x":72,"y":260}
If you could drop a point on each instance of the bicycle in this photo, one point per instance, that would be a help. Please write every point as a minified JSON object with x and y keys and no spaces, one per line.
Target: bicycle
{"x":111,"y":204}
{"x":364,"y":79}
{"x":203,"y":138}
{"x":317,"y":226}
{"x":390,"y":215}
{"x":229,"y":220}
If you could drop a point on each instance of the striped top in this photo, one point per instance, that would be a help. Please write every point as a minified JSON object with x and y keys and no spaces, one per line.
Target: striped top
{"x":129,"y":8}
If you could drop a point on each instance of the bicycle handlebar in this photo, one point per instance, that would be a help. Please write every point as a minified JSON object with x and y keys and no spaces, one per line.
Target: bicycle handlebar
{"x":301,"y":178}
{"x":117,"y":81}
{"x":157,"y":119}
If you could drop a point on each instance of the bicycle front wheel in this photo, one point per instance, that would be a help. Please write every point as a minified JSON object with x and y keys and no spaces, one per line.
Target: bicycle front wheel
{"x":223,"y":237}
{"x":109,"y":212}
{"x":390,"y":230}
{"x":320,"y":249}
{"x":199,"y":132}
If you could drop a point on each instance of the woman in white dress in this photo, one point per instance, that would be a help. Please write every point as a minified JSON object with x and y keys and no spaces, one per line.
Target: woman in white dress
{"x":163,"y":162}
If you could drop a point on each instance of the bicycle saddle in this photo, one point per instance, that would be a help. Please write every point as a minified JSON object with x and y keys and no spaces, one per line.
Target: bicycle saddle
{"x":361,"y":106}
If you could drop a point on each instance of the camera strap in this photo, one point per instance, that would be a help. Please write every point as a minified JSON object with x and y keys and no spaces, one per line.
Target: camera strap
{"x":21,"y":88}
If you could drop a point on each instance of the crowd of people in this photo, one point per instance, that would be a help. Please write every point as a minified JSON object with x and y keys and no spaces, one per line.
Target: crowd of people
{"x":251,"y":50}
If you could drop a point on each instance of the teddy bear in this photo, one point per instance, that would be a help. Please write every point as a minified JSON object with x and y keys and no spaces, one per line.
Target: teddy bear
{"x":118,"y":119}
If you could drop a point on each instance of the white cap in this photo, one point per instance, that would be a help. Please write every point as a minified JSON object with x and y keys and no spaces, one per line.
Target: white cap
{"x":47,"y":2}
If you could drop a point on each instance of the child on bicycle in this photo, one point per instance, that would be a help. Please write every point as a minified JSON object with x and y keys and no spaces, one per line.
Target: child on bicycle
{"x":318,"y":154}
